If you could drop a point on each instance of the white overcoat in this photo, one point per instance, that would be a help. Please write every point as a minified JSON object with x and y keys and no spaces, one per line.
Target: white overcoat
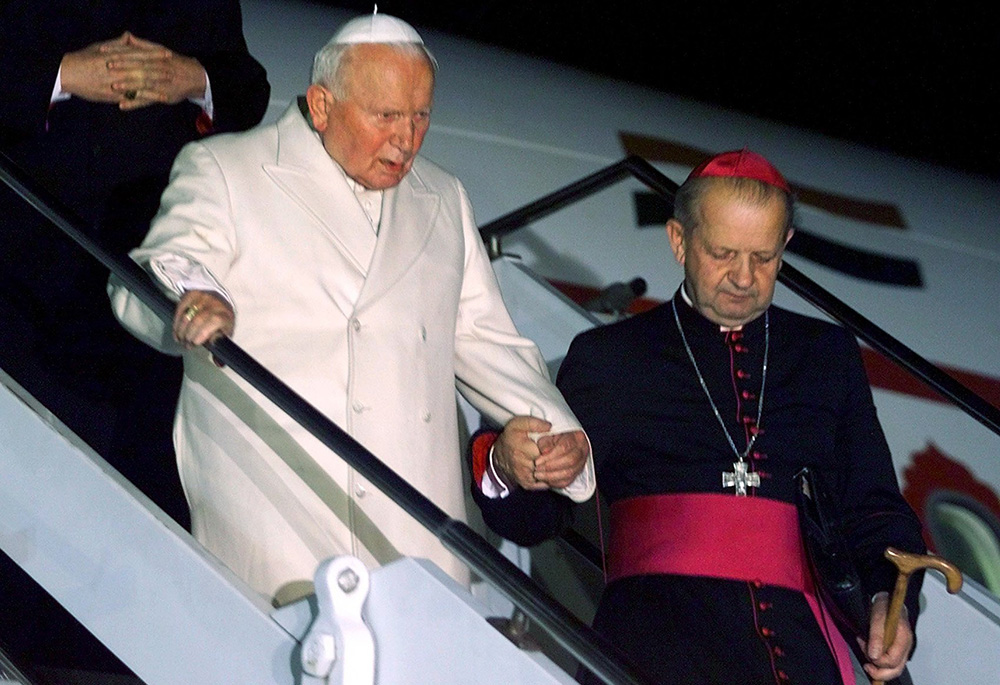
{"x":374,"y":331}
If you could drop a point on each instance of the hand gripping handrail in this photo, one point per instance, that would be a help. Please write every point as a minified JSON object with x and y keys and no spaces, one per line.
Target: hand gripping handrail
{"x":591,"y":649}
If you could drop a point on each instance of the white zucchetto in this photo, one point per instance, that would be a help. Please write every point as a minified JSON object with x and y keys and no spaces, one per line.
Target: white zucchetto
{"x":376,"y":28}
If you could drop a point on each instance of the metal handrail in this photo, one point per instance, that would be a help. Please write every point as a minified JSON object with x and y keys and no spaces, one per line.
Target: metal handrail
{"x":632,"y":165}
{"x":911,"y":362}
{"x":936,"y":379}
{"x":590,"y":648}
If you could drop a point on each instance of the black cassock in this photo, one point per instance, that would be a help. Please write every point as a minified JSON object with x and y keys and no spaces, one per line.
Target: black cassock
{"x":653,"y":432}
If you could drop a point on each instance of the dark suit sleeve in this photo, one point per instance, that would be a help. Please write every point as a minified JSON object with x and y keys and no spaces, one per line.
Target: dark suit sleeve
{"x":590,"y":379}
{"x":524,"y":517}
{"x":29,"y":69}
{"x":875,"y":514}
{"x":240,"y":90}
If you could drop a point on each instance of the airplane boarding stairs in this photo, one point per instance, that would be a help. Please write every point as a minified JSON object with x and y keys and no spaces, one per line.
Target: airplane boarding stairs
{"x":174,"y":614}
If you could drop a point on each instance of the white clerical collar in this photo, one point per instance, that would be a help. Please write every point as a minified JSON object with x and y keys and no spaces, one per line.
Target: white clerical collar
{"x":370,"y":201}
{"x":687,"y":299}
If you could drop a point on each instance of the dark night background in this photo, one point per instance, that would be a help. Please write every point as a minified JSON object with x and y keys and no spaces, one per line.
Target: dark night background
{"x":917,"y":78}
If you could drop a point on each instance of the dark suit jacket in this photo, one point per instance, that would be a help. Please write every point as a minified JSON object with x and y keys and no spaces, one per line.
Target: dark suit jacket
{"x":108,"y":166}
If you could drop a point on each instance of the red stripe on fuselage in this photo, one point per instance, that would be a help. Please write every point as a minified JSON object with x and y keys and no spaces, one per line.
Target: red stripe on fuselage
{"x":885,"y":374}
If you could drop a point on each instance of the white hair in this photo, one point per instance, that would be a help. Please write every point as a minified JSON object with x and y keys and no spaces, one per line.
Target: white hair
{"x":331,"y":59}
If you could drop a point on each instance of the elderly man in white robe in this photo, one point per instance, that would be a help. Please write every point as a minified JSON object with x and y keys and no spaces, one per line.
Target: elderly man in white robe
{"x":352,"y":269}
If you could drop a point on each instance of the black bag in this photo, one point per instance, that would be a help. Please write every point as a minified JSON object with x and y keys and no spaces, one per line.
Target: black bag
{"x":834,"y":572}
{"x":833,"y":569}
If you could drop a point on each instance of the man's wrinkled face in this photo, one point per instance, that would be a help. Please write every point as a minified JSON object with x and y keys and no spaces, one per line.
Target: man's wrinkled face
{"x":375,"y":131}
{"x":731,"y":259}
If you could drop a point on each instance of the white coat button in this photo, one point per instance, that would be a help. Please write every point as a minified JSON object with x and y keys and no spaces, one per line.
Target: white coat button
{"x":357,"y":407}
{"x":360,"y":491}
{"x":426,"y":416}
{"x":355,"y":324}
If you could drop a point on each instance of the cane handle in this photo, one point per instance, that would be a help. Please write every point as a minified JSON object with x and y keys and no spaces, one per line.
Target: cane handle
{"x":907,"y":563}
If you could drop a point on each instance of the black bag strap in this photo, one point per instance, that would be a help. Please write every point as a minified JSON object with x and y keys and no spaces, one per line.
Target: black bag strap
{"x":833,"y":567}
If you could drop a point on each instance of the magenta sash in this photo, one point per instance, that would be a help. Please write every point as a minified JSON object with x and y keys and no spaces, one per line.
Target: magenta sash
{"x":752,"y":539}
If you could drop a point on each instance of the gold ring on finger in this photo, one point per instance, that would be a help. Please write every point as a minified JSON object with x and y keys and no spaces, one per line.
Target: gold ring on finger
{"x":190,"y":312}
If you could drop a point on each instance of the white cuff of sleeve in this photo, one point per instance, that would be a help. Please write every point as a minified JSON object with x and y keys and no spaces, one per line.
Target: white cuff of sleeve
{"x":180,"y":275}
{"x":57,"y":92}
{"x":206,"y":102}
{"x":492,"y":486}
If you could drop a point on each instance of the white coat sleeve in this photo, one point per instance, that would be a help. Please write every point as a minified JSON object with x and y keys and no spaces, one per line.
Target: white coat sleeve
{"x":500,"y":372}
{"x":191,"y":244}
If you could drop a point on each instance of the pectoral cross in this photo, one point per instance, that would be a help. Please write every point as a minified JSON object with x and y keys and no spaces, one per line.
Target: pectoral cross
{"x":739,"y":478}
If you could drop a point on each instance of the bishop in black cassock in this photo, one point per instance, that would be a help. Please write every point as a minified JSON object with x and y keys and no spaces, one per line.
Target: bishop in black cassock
{"x":707,"y":577}
{"x":653,"y":432}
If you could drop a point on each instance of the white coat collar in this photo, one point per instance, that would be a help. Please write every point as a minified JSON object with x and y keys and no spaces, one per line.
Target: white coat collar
{"x":307,"y":174}
{"x":313,"y":180}
{"x":409,"y":214}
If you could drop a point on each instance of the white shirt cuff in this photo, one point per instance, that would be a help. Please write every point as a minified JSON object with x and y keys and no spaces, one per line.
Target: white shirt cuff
{"x":492,"y":486}
{"x":57,"y":92}
{"x":206,"y":102}
{"x":180,"y":275}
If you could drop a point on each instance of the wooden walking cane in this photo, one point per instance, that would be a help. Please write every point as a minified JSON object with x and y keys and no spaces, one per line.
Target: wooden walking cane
{"x":907,"y":564}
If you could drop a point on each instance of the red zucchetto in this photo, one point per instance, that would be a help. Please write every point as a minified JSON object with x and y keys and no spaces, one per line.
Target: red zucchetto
{"x":741,"y":164}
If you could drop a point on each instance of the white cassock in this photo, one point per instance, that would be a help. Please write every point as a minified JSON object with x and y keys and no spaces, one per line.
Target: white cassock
{"x":374,"y":330}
